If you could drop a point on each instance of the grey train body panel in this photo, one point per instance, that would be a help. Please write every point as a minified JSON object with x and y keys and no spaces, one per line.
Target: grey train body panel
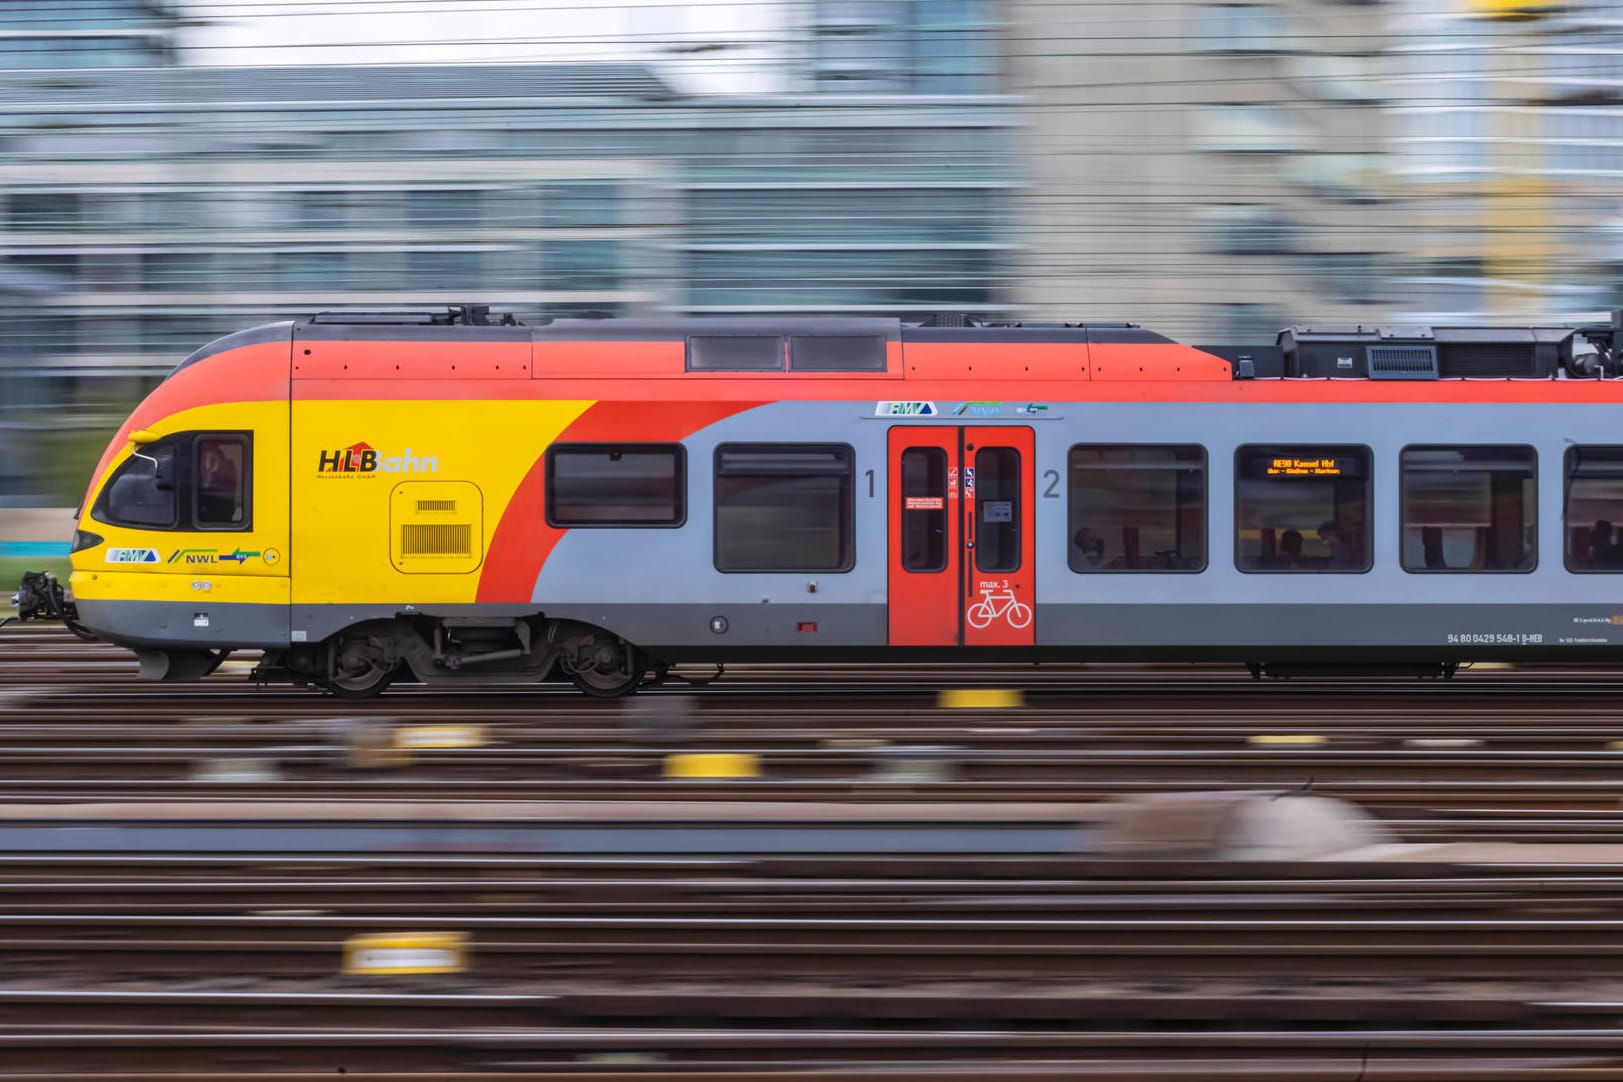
{"x":662,"y":587}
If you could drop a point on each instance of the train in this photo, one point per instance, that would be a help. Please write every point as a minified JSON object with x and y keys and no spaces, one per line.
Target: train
{"x":453,"y":497}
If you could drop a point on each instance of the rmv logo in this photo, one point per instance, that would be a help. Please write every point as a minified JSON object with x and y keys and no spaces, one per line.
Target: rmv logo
{"x":364,"y":458}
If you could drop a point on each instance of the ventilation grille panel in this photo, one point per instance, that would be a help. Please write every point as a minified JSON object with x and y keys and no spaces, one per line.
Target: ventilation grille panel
{"x":451,"y":539}
{"x":1402,"y":362}
{"x":1487,"y":360}
{"x":436,"y":528}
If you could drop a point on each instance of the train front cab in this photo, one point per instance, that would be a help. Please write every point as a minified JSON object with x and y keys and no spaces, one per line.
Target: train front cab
{"x":181,"y":550}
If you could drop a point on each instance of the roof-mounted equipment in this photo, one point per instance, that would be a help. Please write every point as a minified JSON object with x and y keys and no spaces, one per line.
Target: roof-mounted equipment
{"x":1410,"y":353}
{"x":464,"y":315}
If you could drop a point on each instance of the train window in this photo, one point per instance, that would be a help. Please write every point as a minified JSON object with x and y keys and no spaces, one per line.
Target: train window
{"x":1594,"y":509}
{"x":615,"y":484}
{"x":784,"y":507}
{"x":924,"y":509}
{"x":837,"y":353}
{"x":997,"y":509}
{"x":142,"y":492}
{"x":1469,"y":508}
{"x":221,"y":467}
{"x":1302,"y":509}
{"x":1137,"y":507}
{"x":736,"y":353}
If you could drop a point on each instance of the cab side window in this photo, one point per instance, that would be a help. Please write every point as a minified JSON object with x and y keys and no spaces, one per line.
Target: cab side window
{"x":220,"y":472}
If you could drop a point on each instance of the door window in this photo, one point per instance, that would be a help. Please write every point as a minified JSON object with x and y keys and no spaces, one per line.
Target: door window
{"x":997,"y":509}
{"x":924,"y":509}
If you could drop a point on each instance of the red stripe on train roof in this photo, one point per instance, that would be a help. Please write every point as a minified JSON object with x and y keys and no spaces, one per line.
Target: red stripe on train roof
{"x":522,"y":541}
{"x":992,"y":388}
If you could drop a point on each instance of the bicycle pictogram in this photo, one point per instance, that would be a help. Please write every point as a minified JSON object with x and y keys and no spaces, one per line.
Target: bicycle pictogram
{"x":993,"y":605}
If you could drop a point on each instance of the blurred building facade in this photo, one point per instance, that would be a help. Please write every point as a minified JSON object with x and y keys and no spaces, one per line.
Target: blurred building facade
{"x":1214,"y":170}
{"x":1220,"y":169}
{"x":1508,"y":140}
{"x":58,"y":34}
{"x":170,"y":204}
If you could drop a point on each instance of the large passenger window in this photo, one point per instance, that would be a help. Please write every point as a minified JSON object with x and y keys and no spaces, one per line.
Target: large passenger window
{"x":784,"y":507}
{"x":1137,"y":508}
{"x":1469,"y":508}
{"x":1594,"y":509}
{"x":609,"y":484}
{"x":1302,"y":508}
{"x":220,"y":466}
{"x":997,"y":509}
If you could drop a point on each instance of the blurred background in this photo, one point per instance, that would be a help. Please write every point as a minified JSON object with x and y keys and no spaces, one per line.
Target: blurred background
{"x":174,"y":171}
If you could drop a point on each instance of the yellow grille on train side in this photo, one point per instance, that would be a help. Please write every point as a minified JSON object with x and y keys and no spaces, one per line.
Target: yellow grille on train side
{"x":436,"y":528}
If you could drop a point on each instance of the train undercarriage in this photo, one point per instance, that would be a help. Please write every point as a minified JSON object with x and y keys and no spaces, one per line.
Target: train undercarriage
{"x":363,"y":660}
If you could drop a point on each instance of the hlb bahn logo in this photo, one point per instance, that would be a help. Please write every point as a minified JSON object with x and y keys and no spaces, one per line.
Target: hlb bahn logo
{"x":362,"y":459}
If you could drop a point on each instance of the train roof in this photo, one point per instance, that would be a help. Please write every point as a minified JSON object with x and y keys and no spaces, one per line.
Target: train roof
{"x":944,"y":346}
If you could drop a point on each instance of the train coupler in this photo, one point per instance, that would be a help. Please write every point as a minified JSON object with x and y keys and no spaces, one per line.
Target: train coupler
{"x":41,"y":597}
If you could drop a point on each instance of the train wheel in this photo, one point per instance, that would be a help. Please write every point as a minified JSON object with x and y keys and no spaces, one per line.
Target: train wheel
{"x":616,"y":669}
{"x":359,"y":671}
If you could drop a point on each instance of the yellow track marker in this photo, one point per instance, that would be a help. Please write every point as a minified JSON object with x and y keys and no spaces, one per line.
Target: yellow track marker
{"x":403,"y":953}
{"x":712,"y":764}
{"x":1443,"y":742}
{"x":440,"y":736}
{"x":1287,"y":740}
{"x":1615,"y":745}
{"x":980,"y":698}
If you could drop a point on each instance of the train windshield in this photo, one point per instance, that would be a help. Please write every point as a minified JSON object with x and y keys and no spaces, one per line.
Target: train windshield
{"x":185,"y":481}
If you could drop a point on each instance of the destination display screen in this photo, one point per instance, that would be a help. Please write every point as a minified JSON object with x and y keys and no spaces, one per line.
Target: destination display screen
{"x":1327,"y":466}
{"x":1288,"y":463}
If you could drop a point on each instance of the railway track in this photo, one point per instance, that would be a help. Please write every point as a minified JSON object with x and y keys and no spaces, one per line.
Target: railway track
{"x":1494,"y":755}
{"x":616,"y":1055}
{"x":834,"y":967}
{"x":750,"y":943}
